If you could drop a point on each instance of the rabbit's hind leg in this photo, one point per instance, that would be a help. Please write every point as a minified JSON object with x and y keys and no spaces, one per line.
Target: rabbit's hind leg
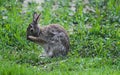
{"x":43,"y":55}
{"x":50,"y":54}
{"x":47,"y":53}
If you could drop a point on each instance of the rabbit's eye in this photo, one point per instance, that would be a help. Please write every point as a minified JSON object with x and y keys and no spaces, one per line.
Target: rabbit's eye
{"x":30,"y":25}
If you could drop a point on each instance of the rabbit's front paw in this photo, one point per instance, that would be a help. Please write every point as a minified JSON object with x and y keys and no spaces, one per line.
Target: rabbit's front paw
{"x":32,"y":38}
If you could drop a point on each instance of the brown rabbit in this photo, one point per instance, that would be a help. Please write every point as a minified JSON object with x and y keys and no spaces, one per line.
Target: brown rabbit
{"x":53,"y":38}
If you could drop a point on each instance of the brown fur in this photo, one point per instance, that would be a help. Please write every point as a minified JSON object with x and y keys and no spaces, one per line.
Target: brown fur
{"x":58,"y":28}
{"x":53,"y":38}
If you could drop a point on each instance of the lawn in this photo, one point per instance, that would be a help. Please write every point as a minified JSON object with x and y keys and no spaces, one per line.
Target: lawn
{"x":92,"y":25}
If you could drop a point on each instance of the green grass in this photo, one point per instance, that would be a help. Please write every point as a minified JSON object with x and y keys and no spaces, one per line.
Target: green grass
{"x":94,"y":38}
{"x":70,"y":66}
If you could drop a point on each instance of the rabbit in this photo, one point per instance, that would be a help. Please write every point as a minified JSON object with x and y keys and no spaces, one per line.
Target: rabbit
{"x":53,"y":38}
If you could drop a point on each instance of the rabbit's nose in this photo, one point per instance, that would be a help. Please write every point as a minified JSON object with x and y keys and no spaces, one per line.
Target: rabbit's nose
{"x":31,"y":30}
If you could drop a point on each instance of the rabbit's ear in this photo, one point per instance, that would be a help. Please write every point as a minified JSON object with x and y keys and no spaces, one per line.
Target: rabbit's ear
{"x":38,"y":18}
{"x":34,"y":16}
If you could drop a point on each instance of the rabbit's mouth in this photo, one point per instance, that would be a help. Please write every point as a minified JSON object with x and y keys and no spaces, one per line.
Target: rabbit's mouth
{"x":28,"y":38}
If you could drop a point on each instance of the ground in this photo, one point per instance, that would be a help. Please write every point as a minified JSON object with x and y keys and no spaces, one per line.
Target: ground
{"x":93,"y":28}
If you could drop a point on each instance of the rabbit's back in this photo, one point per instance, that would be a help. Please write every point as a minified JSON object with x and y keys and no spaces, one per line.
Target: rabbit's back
{"x":57,"y":38}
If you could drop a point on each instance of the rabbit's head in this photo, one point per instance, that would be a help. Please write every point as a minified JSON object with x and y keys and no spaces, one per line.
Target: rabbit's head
{"x":33,"y":28}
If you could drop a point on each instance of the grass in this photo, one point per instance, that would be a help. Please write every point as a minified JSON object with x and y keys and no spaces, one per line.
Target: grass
{"x":94,"y":38}
{"x":70,"y":66}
